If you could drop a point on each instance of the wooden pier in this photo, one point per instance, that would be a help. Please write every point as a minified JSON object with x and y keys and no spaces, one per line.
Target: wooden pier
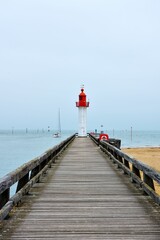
{"x":83,"y":196}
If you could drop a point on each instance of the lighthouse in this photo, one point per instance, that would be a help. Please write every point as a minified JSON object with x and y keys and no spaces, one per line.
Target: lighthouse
{"x":82,"y":105}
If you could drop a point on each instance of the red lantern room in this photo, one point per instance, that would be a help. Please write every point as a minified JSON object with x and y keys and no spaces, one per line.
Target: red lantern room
{"x":82,"y":100}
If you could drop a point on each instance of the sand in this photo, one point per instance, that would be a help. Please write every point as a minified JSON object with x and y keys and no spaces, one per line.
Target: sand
{"x":147,"y":155}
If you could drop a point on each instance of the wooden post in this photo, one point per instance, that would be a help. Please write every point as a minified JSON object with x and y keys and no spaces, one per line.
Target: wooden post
{"x":35,"y":171}
{"x":126,"y":163}
{"x":148,"y":181}
{"x":4,"y":197}
{"x":22,"y":181}
{"x":120,"y":159}
{"x":136,"y":172}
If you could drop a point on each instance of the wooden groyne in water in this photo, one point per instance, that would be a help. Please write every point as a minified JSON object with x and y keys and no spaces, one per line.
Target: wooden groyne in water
{"x":84,"y":196}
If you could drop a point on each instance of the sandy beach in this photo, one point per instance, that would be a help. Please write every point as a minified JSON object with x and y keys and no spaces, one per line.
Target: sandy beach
{"x":147,"y":155}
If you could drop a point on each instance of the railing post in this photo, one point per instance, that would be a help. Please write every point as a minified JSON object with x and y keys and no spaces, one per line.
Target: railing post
{"x":114,"y":155}
{"x":22,"y":182}
{"x":126,"y":163}
{"x":34,"y":172}
{"x":136,"y":172}
{"x":4,"y":197}
{"x":120,"y":159}
{"x":148,"y":181}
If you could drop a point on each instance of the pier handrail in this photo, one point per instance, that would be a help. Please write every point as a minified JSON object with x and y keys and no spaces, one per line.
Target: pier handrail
{"x":140,"y":173}
{"x":26,"y":175}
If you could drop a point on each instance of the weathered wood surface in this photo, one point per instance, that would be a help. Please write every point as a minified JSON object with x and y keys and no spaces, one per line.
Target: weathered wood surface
{"x":84,"y":197}
{"x":133,"y":167}
{"x":27,"y":175}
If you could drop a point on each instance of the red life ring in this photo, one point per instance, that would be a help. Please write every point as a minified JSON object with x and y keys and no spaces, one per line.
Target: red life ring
{"x":103,"y":136}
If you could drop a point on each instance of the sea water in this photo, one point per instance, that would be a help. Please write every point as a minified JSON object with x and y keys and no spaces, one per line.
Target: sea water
{"x":137,"y":138}
{"x":19,"y":147}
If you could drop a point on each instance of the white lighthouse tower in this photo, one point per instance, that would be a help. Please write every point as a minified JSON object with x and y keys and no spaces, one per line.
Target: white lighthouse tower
{"x":82,"y":105}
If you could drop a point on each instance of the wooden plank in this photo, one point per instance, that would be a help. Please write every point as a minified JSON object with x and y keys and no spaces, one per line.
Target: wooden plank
{"x":31,"y":170}
{"x":84,"y":197}
{"x":23,"y":171}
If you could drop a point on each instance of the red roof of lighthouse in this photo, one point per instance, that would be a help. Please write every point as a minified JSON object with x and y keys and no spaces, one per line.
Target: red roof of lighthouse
{"x":82,"y":99}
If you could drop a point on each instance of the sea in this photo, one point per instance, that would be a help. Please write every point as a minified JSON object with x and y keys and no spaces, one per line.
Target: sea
{"x":20,"y":146}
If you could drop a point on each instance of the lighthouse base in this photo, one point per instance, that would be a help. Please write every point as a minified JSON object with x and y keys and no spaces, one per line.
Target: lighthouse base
{"x":82,"y":136}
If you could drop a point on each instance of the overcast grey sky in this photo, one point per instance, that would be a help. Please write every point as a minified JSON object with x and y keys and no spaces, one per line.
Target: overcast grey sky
{"x":48,"y":48}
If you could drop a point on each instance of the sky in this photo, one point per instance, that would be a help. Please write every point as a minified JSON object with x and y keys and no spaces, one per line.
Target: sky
{"x":49,"y":48}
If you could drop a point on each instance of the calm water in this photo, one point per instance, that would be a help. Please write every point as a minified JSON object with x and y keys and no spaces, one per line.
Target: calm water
{"x":137,"y":138}
{"x":20,"y":147}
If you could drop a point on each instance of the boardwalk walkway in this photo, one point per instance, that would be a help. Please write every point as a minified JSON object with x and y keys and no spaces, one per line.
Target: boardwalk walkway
{"x":84,"y":197}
